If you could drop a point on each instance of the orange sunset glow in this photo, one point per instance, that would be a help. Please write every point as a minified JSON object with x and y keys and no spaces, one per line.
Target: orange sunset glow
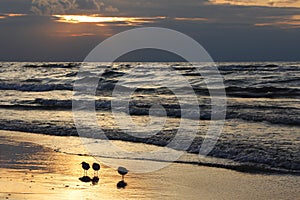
{"x":268,"y":3}
{"x":3,"y":16}
{"x":190,"y":19}
{"x":75,"y":19}
{"x":288,"y":22}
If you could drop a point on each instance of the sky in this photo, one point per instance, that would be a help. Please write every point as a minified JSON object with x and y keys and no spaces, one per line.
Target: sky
{"x":230,"y":30}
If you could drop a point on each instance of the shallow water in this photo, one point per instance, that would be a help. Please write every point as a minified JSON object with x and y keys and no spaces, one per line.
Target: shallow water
{"x":32,"y":170}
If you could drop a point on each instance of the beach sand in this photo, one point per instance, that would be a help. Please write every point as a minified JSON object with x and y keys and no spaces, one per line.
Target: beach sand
{"x":30,"y":169}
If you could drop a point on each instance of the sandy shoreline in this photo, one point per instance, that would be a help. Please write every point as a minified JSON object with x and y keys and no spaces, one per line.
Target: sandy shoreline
{"x":31,"y":170}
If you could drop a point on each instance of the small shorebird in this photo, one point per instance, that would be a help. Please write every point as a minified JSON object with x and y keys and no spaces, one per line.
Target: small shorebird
{"x":96,"y":168}
{"x":85,"y":167}
{"x":122,"y":171}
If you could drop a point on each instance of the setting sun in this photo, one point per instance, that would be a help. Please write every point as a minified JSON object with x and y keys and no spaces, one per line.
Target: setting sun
{"x":75,"y":19}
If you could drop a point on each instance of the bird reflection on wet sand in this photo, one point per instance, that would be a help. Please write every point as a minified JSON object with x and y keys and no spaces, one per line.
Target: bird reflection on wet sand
{"x":86,"y":178}
{"x":95,"y":180}
{"x":121,"y":184}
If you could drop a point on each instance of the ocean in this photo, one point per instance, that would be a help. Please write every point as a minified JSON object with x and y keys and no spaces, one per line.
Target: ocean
{"x":262,"y":125}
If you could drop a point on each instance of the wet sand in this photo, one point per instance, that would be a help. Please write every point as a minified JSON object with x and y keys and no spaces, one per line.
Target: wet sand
{"x":30,"y":169}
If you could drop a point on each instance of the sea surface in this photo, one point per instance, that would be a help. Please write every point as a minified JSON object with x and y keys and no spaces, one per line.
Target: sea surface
{"x":261,"y":130}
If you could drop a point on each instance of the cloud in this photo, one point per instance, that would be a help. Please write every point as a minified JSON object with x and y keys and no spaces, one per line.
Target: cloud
{"x":283,"y":22}
{"x":191,"y":19}
{"x":48,"y":7}
{"x":8,"y":15}
{"x":229,"y":32}
{"x":94,"y":5}
{"x":79,"y":34}
{"x":111,"y":9}
{"x":268,"y":3}
{"x":52,"y":7}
